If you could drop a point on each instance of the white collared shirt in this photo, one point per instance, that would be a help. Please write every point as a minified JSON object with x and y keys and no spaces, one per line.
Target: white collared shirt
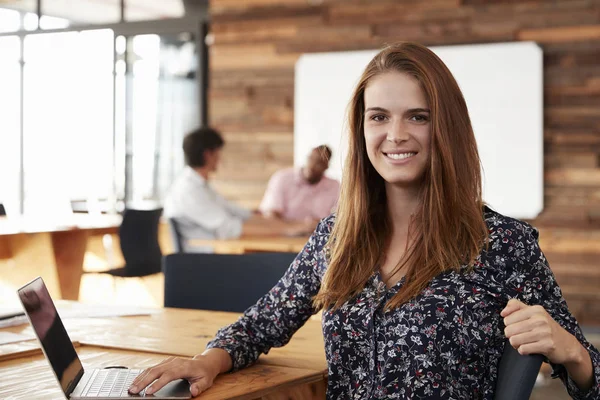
{"x":200,"y":212}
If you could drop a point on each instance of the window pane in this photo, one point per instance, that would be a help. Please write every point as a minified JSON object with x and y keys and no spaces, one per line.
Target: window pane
{"x":10,"y":99}
{"x":143,"y":10}
{"x":20,"y":5}
{"x":10,"y":20}
{"x":78,"y":12}
{"x":47,"y":22}
{"x":68,"y":118}
{"x":164,"y":106}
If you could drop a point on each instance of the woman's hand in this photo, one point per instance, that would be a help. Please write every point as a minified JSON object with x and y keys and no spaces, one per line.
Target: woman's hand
{"x":531,"y":330}
{"x":199,"y":371}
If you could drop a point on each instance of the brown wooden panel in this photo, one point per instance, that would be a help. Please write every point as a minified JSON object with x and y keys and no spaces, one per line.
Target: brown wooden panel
{"x":551,"y":99}
{"x":300,"y":46}
{"x":272,"y":29}
{"x":572,"y":58}
{"x":283,"y":10}
{"x":232,"y":57}
{"x":565,"y":159}
{"x":260,"y":137}
{"x":561,"y":34}
{"x":242,"y":189}
{"x":573,"y":177}
{"x":394,"y":11}
{"x":572,"y":137}
{"x":256,"y":34}
{"x":572,"y":197}
{"x":571,"y":76}
{"x":253,"y":77}
{"x":234,"y":4}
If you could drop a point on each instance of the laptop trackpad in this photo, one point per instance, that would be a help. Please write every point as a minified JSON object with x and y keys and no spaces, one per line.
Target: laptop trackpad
{"x":179,"y":389}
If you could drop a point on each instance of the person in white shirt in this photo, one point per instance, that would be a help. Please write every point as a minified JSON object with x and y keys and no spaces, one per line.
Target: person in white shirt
{"x":200,"y":212}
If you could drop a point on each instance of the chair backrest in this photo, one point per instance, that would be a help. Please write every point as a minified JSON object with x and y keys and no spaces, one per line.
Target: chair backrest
{"x":138,"y":235}
{"x":222,"y":282}
{"x":176,"y":237}
{"x":2,"y":210}
{"x":516,"y":374}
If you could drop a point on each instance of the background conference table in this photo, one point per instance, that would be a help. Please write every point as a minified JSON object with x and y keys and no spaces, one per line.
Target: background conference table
{"x":250,"y":244}
{"x":69,"y":237}
{"x":296,"y":371}
{"x":69,"y":241}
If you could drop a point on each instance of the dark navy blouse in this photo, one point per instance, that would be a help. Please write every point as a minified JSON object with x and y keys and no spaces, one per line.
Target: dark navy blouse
{"x":444,"y":344}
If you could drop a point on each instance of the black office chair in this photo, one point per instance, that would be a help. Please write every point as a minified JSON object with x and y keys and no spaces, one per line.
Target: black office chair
{"x":176,"y":237}
{"x":138,"y":235}
{"x":516,"y":374}
{"x":2,"y":210}
{"x":221,"y":282}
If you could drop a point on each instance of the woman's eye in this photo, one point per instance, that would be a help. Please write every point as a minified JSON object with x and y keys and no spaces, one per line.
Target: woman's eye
{"x":378,"y":118}
{"x":419,"y":118}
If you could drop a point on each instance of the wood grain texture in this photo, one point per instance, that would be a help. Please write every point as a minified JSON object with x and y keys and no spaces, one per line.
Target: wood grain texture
{"x":252,"y":245}
{"x":252,"y":83}
{"x":255,"y":382}
{"x":181,"y":332}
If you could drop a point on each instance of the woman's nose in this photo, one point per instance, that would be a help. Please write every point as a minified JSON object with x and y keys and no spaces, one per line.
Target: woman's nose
{"x":397,"y":133}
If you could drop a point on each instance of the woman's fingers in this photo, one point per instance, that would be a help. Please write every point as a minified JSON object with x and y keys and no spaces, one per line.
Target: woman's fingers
{"x":162,"y":380}
{"x":540,"y":347}
{"x":527,"y":338}
{"x":142,"y":377}
{"x":522,"y":314}
{"x":512,"y":306}
{"x":197,"y":371}
{"x":163,"y":373}
{"x":200,"y":386}
{"x":531,"y":330}
{"x":529,"y":324}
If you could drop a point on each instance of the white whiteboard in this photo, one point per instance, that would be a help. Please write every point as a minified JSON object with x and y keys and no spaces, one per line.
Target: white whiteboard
{"x":503,"y":87}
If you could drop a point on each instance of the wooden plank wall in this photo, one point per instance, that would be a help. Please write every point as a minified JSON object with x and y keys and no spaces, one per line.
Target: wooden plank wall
{"x":257,"y":42}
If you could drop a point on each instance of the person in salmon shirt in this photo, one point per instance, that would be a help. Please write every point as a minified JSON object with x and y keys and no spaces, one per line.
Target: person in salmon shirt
{"x":302,"y":194}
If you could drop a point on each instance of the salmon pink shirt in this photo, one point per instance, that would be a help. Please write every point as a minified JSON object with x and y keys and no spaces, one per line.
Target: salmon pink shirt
{"x":290,"y":194}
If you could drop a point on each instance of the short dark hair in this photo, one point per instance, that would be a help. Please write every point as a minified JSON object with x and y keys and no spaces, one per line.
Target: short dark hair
{"x":324,"y":152}
{"x":199,"y":140}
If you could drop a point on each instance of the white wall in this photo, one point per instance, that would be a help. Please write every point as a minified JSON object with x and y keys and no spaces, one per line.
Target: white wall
{"x":503,"y":86}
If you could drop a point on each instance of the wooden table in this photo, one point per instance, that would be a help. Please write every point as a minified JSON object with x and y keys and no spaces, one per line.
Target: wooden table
{"x":69,"y":241}
{"x":296,"y":371}
{"x":253,"y":244}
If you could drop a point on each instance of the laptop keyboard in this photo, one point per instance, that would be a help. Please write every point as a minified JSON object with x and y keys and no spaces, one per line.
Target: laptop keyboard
{"x":111,"y":383}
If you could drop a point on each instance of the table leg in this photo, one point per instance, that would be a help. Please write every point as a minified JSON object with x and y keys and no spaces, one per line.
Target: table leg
{"x":69,"y":251}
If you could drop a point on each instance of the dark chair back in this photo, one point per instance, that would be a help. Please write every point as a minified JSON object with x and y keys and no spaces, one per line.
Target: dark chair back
{"x":138,"y":235}
{"x":176,"y":237}
{"x":221,"y":282}
{"x":2,"y":210}
{"x":516,"y":374}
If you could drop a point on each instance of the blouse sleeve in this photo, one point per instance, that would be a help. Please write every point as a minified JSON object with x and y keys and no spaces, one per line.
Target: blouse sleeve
{"x":276,"y":316}
{"x":532,"y":282}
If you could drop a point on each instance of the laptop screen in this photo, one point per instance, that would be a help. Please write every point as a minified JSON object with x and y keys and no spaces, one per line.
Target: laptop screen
{"x":51,"y":333}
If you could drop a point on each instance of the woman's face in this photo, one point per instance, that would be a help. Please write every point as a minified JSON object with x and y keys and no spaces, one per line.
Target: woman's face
{"x":397,"y":128}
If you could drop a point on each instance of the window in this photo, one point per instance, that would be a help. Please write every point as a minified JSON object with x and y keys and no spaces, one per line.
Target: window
{"x":10,"y":98}
{"x":68,"y":119}
{"x":78,"y":12}
{"x":164,"y":106}
{"x":140,"y":10}
{"x":10,"y":20}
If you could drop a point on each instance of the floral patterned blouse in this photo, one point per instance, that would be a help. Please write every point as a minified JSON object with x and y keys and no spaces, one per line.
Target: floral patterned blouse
{"x":444,"y":344}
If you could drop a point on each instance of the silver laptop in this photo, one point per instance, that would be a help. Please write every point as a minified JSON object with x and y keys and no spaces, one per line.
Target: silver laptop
{"x":77,"y":383}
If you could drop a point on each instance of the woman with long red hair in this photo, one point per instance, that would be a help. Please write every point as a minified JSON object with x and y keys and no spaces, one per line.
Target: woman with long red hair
{"x":419,"y":282}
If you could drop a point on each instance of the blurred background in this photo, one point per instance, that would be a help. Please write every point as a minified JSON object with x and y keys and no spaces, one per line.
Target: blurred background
{"x":97,"y":95}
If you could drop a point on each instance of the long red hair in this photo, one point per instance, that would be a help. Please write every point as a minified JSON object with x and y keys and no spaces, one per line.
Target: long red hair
{"x":448,"y":229}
